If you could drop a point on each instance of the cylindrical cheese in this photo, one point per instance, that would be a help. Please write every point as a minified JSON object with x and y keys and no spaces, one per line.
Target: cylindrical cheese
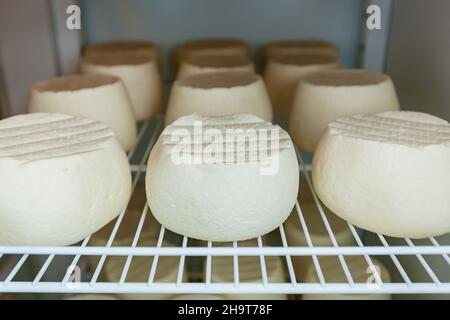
{"x":202,"y":63}
{"x":213,"y":46}
{"x":328,"y":95}
{"x":203,"y":182}
{"x":299,"y":47}
{"x":140,"y":74}
{"x":222,"y":93}
{"x":387,"y":173}
{"x":222,"y":271}
{"x":316,"y":229}
{"x":139,"y":271}
{"x":62,"y":178}
{"x":99,"y":97}
{"x":360,"y":271}
{"x":283,"y":73}
{"x":146,"y":47}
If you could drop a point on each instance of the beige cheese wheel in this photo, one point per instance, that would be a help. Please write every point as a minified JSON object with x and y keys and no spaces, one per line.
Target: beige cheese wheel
{"x":387,"y":173}
{"x":220,"y":192}
{"x":220,"y":93}
{"x":99,"y":97}
{"x":360,"y":272}
{"x":222,"y":271}
{"x":299,"y":47}
{"x":283,"y":73}
{"x":139,"y":271}
{"x":316,"y":229}
{"x":140,"y":74}
{"x":202,"y":63}
{"x":211,"y":46}
{"x":63,"y":178}
{"x":145,"y":47}
{"x":328,"y":95}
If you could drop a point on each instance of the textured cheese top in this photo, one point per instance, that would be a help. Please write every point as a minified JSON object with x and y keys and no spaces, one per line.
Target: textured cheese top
{"x":412,"y":129}
{"x":219,"y":80}
{"x":127,"y":46}
{"x":118,"y":59}
{"x":305,"y":59}
{"x":48,"y":135}
{"x":333,"y":272}
{"x":313,"y":46}
{"x":217,"y":61}
{"x":241,"y":138}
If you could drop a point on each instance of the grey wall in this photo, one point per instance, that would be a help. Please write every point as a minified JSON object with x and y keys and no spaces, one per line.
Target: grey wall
{"x":419,"y":55}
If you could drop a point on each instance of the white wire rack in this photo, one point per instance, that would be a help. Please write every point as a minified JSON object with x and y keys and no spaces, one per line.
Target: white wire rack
{"x":188,"y":250}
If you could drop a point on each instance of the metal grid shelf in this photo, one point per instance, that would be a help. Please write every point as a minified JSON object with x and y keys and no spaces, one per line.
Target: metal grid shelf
{"x":39,"y":282}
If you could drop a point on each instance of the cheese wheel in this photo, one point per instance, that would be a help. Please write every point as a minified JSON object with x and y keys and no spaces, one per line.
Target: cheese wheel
{"x":213,"y":46}
{"x":360,"y":272}
{"x":92,"y":297}
{"x":139,"y":271}
{"x":63,"y":178}
{"x":146,"y":47}
{"x":316,"y":229}
{"x":221,"y":93}
{"x":299,"y":47}
{"x":201,"y":63}
{"x":198,"y":297}
{"x":99,"y":97}
{"x":222,"y":192}
{"x":283,"y":73}
{"x":222,"y":271}
{"x":332,"y":94}
{"x":140,"y":74}
{"x":387,"y":173}
{"x":130,"y":221}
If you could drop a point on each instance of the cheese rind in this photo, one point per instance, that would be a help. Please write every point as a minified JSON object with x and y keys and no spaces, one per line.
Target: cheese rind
{"x":224,"y":198}
{"x":139,"y":73}
{"x":99,"y":97}
{"x":328,"y":95}
{"x":374,"y":171}
{"x":63,"y":178}
{"x":220,"y":93}
{"x":299,"y":47}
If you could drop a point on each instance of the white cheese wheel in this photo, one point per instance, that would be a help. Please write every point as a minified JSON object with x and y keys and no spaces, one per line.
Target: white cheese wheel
{"x":387,"y":173}
{"x":299,"y":47}
{"x":140,"y":74}
{"x":139,"y":271}
{"x":222,"y":271}
{"x":316,"y":229}
{"x":92,"y":297}
{"x":63,"y":178}
{"x":328,"y":95}
{"x":283,"y":73}
{"x":99,"y":97}
{"x":146,"y":47}
{"x":360,"y":271}
{"x":201,"y":63}
{"x":198,"y":297}
{"x":213,"y":46}
{"x":221,"y":93}
{"x":221,"y":192}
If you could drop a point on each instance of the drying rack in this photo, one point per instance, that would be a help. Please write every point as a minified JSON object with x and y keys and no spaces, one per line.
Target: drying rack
{"x":420,"y":252}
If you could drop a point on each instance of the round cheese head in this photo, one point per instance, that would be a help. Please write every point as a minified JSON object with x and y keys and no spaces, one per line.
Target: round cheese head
{"x":140,"y":74}
{"x":202,"y":63}
{"x":283,"y":73}
{"x":224,"y":178}
{"x":221,"y":93}
{"x":63,"y":178}
{"x":99,"y":97}
{"x":213,"y":46}
{"x":325,"y":96}
{"x":369,"y":170}
{"x":299,"y":47}
{"x":145,"y":47}
{"x":360,"y":271}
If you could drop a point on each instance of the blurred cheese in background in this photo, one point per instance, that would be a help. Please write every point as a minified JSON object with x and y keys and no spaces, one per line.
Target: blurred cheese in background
{"x":204,"y":63}
{"x":328,"y":95}
{"x":220,"y":93}
{"x":140,"y":74}
{"x":99,"y":97}
{"x":360,"y":272}
{"x":282,"y":74}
